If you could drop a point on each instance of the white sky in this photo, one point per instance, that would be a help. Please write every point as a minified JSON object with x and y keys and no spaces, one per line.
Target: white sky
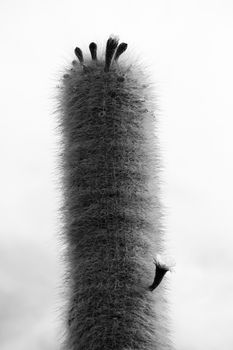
{"x":188,"y":46}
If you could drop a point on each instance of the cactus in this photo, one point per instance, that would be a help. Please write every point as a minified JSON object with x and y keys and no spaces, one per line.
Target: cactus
{"x":112,"y":211}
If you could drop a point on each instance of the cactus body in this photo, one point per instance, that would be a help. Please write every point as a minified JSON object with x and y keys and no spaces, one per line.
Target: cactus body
{"x":112,"y":212}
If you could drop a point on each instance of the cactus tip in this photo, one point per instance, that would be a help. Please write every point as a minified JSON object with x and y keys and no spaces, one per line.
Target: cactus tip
{"x":79,"y":54}
{"x":93,"y":50}
{"x":121,"y":48}
{"x":110,"y":50}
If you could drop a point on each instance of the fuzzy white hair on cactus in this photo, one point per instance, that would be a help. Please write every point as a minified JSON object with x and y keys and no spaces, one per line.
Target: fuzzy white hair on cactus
{"x":110,"y":164}
{"x":165,"y":260}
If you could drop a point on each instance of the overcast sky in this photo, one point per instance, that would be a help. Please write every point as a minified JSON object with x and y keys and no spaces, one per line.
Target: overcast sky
{"x":188,"y":47}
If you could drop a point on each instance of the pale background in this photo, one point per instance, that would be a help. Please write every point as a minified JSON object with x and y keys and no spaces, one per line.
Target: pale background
{"x":188,"y":46}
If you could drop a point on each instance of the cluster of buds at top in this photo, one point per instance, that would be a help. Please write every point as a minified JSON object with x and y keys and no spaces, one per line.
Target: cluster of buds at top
{"x":113,"y":52}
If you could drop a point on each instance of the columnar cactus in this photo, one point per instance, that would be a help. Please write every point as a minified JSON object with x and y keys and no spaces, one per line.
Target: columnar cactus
{"x":112,"y":211}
